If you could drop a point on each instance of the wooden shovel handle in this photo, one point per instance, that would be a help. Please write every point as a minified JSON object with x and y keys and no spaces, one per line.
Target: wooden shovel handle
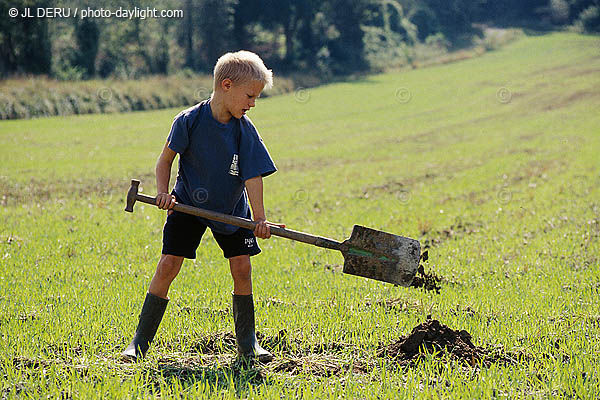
{"x":318,"y":241}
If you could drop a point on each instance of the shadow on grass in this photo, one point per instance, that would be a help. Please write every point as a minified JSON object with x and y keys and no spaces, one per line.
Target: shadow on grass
{"x":215,"y":377}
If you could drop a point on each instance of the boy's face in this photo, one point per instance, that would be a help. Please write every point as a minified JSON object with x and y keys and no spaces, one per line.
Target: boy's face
{"x":239,"y":98}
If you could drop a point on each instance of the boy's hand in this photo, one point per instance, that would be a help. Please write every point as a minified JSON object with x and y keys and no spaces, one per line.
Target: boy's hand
{"x":263,"y":230}
{"x":165,"y":201}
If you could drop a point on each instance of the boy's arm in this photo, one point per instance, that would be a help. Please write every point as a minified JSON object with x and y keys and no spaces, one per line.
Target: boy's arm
{"x":164,"y":199}
{"x":254,"y":188}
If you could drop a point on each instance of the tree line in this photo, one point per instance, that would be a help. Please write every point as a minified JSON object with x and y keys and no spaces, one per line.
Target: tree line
{"x":323,"y":36}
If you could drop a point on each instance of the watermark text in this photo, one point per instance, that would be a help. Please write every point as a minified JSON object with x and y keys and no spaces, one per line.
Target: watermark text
{"x":89,"y":12}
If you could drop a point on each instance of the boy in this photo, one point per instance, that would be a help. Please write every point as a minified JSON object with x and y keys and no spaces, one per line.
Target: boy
{"x":222,"y":161}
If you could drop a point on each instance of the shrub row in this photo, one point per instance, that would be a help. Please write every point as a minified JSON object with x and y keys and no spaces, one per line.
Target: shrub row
{"x":33,"y":97}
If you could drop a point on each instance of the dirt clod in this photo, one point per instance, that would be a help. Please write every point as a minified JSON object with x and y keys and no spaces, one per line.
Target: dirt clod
{"x":426,"y":281}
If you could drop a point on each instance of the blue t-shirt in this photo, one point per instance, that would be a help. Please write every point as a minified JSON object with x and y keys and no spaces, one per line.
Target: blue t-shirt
{"x":215,"y":160}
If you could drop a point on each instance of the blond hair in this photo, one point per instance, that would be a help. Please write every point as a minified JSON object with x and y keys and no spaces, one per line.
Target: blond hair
{"x":242,"y":66}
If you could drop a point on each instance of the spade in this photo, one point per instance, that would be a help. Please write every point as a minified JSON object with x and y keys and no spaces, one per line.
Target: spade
{"x":368,"y":252}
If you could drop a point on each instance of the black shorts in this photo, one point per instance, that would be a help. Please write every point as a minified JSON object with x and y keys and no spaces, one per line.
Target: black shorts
{"x":182,"y":233}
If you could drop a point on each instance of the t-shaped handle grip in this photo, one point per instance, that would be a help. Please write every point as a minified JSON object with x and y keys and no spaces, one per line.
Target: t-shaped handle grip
{"x":132,"y":195}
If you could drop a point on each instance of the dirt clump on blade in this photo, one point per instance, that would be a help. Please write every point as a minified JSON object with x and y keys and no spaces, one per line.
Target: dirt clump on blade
{"x":434,"y":337}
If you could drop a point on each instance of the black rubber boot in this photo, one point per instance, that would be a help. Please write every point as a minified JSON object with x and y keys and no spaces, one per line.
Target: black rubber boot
{"x":152,"y":313}
{"x":245,"y":335}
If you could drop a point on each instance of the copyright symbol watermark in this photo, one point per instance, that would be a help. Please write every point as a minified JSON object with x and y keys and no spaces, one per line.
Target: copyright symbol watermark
{"x":200,"y":196}
{"x":202,"y":93}
{"x":504,"y":196}
{"x":105,"y":94}
{"x":504,"y":95}
{"x":13,"y":12}
{"x":403,"y":196}
{"x":108,"y":195}
{"x":301,"y":95}
{"x":403,"y":95}
{"x":300,"y":196}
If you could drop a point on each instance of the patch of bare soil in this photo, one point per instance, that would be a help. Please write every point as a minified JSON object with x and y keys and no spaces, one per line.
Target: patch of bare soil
{"x":24,"y":362}
{"x":433,"y":337}
{"x":398,"y":304}
{"x":216,"y":343}
{"x":575,"y":97}
{"x":219,"y":342}
{"x":432,"y":238}
{"x":320,"y":365}
{"x":322,"y":359}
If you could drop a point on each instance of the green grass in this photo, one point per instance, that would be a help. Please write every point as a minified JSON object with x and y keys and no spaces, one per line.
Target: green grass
{"x":494,"y":160}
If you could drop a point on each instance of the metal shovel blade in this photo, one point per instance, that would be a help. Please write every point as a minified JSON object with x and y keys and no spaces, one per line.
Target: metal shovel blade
{"x":382,"y":256}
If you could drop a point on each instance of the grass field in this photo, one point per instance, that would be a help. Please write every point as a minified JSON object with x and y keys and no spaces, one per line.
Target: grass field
{"x":492,"y":162}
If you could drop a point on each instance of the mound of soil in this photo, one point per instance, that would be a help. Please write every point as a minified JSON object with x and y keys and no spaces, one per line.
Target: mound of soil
{"x":433,"y":337}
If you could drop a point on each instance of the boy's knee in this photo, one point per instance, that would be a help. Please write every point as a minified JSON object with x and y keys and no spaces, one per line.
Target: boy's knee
{"x":168,"y":267}
{"x":240,"y":267}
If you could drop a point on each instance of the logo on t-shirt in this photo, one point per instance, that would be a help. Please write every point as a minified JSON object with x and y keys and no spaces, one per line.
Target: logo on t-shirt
{"x":233,"y":169}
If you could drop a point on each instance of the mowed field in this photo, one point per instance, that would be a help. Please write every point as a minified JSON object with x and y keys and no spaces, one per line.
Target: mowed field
{"x":492,"y":163}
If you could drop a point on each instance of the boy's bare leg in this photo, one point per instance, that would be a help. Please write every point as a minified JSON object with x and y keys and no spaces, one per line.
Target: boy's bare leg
{"x":154,"y":306}
{"x":167,"y":269}
{"x":243,"y":310}
{"x":241,"y":271}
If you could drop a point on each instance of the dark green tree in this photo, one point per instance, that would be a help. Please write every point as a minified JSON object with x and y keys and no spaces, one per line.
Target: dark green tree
{"x":295,"y":19}
{"x":510,"y":12}
{"x":215,"y":26}
{"x":454,"y":18}
{"x":87,"y":35}
{"x":25,"y":45}
{"x":305,"y":35}
{"x":245,"y":13}
{"x":162,"y":52}
{"x":187,"y":34}
{"x":347,"y":49}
